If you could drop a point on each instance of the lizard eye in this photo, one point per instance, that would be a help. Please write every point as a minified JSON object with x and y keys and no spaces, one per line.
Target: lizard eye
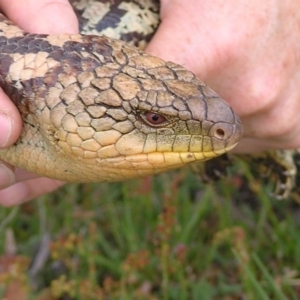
{"x":153,"y":118}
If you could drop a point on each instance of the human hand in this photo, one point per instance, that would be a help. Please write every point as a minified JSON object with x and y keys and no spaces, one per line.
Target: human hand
{"x":249,"y":53}
{"x":38,"y":16}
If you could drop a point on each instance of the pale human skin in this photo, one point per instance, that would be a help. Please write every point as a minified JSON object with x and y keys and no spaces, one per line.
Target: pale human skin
{"x":247,"y":51}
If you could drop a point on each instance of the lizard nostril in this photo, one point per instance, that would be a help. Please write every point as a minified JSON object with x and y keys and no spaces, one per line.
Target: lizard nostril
{"x":220,"y":133}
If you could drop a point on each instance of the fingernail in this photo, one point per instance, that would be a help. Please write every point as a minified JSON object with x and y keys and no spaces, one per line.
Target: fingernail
{"x":5,"y":129}
{"x":7,"y":176}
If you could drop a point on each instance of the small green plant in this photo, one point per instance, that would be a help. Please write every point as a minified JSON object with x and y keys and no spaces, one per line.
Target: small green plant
{"x":166,"y":237}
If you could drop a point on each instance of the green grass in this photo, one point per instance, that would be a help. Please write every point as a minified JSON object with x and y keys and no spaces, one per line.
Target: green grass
{"x":166,"y":237}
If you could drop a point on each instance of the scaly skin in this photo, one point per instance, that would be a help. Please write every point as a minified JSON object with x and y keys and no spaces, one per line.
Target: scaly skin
{"x":97,"y":109}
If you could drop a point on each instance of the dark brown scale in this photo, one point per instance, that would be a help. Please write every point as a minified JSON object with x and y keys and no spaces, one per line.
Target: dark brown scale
{"x":5,"y":63}
{"x":51,"y":78}
{"x":15,"y":40}
{"x":57,"y":54}
{"x":44,"y":45}
{"x":10,"y":48}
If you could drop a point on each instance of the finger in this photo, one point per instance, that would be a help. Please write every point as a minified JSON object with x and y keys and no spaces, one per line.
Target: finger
{"x":253,"y":145}
{"x":10,"y":175}
{"x":26,"y":190}
{"x":41,"y":16}
{"x":7,"y":175}
{"x":23,"y":175}
{"x":10,"y":121}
